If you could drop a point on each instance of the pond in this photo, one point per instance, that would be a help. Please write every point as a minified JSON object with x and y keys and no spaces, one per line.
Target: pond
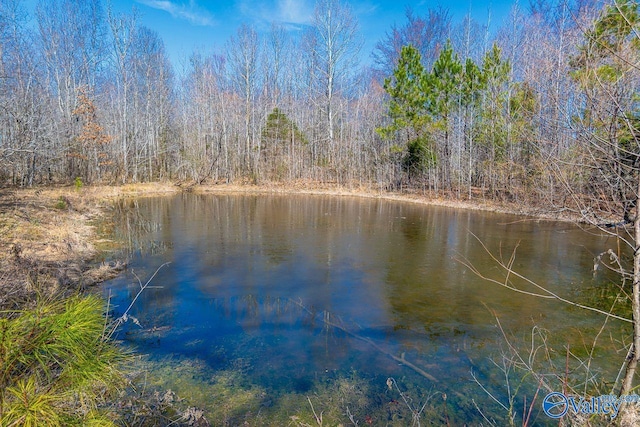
{"x":281,"y":309}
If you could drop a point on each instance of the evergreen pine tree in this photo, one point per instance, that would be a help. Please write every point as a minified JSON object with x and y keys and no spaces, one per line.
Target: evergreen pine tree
{"x":409,"y":110}
{"x":446,"y":78}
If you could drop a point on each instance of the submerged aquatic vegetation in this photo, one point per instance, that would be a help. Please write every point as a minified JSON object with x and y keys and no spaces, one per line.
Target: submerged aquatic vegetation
{"x":225,"y":395}
{"x":228,"y":395}
{"x":56,"y":366}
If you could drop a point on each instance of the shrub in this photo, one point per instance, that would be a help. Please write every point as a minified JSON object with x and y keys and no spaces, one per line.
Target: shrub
{"x":56,"y":366}
{"x":61,"y":204}
{"x":78,"y":183}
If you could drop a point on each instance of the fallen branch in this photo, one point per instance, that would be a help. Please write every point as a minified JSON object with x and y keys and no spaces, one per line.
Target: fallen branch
{"x":125,"y":316}
{"x":400,"y":359}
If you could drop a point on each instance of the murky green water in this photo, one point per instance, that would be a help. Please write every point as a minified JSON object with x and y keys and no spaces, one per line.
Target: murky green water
{"x":274,"y":304}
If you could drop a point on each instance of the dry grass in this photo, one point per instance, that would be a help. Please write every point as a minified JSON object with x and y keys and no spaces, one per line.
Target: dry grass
{"x":48,"y":238}
{"x":630,"y":416}
{"x":369,"y":191}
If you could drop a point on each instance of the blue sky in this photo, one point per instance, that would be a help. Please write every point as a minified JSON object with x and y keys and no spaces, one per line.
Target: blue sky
{"x":206,"y":25}
{"x":186,"y":25}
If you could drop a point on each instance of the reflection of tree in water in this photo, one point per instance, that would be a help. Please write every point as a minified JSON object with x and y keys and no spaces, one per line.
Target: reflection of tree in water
{"x":272,"y":214}
{"x":414,"y":227}
{"x":415,"y":263}
{"x":137,"y":228}
{"x":141,"y":224}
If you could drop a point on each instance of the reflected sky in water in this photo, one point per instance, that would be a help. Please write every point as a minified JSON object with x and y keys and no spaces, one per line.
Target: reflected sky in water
{"x":301,"y":286}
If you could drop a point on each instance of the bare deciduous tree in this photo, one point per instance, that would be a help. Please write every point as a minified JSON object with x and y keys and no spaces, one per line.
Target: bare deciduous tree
{"x":335,"y":49}
{"x":243,"y":64}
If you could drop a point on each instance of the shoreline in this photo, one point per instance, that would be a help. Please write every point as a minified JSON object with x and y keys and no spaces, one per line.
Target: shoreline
{"x":49,"y":239}
{"x":367,"y":192}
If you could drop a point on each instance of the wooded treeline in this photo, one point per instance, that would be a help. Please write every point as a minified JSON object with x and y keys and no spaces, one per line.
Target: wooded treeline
{"x":446,"y":106}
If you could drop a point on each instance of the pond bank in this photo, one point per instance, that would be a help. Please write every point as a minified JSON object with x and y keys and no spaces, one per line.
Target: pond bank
{"x":411,"y":196}
{"x":49,"y":235}
{"x":49,"y":240}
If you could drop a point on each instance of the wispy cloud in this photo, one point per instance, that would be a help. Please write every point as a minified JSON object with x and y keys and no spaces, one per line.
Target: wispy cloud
{"x":366,"y":8}
{"x":293,"y":14}
{"x":294,"y":11}
{"x":189,"y":11}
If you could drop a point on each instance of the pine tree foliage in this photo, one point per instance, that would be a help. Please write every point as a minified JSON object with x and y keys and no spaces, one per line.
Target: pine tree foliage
{"x":281,"y":140}
{"x":56,"y":367}
{"x":445,"y":80}
{"x":409,"y":110}
{"x":279,"y":131}
{"x":423,"y":103}
{"x":493,"y":132}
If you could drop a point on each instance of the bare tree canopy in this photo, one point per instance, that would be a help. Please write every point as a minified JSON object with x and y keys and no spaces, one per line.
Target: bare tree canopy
{"x":427,"y":34}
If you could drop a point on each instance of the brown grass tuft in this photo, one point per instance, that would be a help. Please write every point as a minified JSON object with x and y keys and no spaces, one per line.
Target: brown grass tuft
{"x":48,"y":238}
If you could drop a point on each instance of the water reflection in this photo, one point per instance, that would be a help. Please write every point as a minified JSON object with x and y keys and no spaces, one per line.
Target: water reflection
{"x":261,"y":279}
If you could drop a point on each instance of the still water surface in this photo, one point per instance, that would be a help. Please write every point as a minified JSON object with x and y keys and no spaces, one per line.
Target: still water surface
{"x":269,"y":300}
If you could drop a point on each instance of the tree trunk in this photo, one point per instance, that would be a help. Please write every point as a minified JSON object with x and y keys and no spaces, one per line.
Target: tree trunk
{"x":634,"y":355}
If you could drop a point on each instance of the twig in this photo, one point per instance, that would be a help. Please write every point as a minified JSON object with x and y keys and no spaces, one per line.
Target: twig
{"x":400,"y":359}
{"x":391,"y":382}
{"x":525,"y":419}
{"x":482,"y":413}
{"x":495,"y":399}
{"x":351,"y":417}
{"x":511,"y":272}
{"x":318,"y":418}
{"x":125,"y":316}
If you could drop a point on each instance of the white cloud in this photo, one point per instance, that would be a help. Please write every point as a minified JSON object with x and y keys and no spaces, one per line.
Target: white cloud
{"x":182,"y":10}
{"x":366,"y":8}
{"x":291,"y":13}
{"x":294,"y":11}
